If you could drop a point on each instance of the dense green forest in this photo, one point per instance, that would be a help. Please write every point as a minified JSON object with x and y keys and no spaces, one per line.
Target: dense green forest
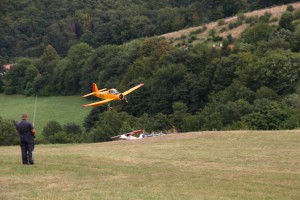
{"x":28,"y":26}
{"x":254,"y":85}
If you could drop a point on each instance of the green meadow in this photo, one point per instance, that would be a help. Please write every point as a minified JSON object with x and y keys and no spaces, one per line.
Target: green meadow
{"x":203,"y":165}
{"x":63,"y":109}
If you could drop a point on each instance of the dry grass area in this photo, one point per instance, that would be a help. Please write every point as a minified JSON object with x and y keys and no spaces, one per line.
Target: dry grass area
{"x":200,"y":165}
{"x":275,"y":11}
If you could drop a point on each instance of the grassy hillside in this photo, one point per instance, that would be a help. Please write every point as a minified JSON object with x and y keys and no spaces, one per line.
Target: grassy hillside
{"x":205,"y":165}
{"x":62,"y":109}
{"x":275,"y":11}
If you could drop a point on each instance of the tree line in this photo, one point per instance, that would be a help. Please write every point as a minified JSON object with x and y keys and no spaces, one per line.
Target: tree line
{"x":254,"y":85}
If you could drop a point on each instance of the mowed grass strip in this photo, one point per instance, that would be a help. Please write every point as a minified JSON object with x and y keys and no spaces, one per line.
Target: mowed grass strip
{"x":204,"y":165}
{"x":63,"y":109}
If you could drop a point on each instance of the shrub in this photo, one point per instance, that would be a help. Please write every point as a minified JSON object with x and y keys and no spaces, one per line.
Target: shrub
{"x":235,"y":24}
{"x":266,"y":93}
{"x":199,"y":30}
{"x":268,"y":115}
{"x":239,"y":125}
{"x":297,"y":14}
{"x":51,"y":128}
{"x":61,"y":138}
{"x":286,"y":21}
{"x":223,"y":29}
{"x":190,"y":123}
{"x":290,"y":8}
{"x":251,"y":20}
{"x":217,"y":38}
{"x":221,"y":22}
{"x":266,"y":17}
{"x":55,"y":133}
{"x":193,"y":37}
{"x":101,"y":134}
{"x":8,"y":133}
{"x":274,"y":19}
{"x":241,"y":17}
{"x":256,"y":33}
{"x":292,"y":122}
{"x":72,"y":129}
{"x":183,"y":37}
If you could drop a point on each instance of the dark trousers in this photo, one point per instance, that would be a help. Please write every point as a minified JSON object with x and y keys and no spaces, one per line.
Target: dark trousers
{"x":27,"y":152}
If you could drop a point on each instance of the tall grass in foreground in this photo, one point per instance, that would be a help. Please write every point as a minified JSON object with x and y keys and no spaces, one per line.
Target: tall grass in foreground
{"x":204,"y":165}
{"x":63,"y":109}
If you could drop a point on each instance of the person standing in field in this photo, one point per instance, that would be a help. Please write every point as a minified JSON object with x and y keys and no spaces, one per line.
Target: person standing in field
{"x":27,"y":134}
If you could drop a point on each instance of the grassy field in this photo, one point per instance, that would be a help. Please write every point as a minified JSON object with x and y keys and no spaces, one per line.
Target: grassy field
{"x":204,"y":165}
{"x":62,"y":109}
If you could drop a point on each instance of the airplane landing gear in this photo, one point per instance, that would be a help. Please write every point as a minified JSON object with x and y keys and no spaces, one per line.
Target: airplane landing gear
{"x":109,"y":107}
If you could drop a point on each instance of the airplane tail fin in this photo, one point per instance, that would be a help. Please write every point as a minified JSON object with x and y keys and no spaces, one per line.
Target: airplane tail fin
{"x":95,"y":88}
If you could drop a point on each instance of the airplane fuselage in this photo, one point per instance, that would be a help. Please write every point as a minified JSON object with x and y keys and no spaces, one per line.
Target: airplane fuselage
{"x":109,"y":95}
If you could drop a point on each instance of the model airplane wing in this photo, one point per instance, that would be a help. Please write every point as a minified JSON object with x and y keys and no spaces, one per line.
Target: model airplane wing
{"x":132,"y":89}
{"x":116,"y":137}
{"x":136,"y":132}
{"x":99,"y":103}
{"x":119,"y":137}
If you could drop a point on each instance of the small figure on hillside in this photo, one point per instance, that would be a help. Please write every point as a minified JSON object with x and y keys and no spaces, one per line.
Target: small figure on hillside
{"x":27,"y":134}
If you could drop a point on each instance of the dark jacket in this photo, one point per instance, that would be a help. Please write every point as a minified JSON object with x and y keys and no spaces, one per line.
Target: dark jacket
{"x":25,"y":131}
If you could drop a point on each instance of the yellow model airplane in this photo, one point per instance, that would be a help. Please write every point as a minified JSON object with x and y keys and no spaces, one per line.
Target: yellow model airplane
{"x":109,"y":95}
